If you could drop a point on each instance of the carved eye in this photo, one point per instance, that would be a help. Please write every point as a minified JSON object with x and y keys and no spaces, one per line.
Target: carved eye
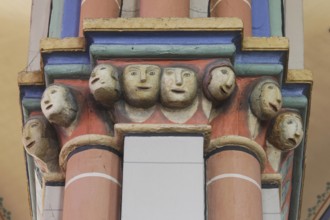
{"x":102,"y":68}
{"x":186,"y":74}
{"x":34,"y":125}
{"x":133,"y":73}
{"x":53,"y":91}
{"x":290,"y":122}
{"x":270,"y":87}
{"x":151,"y":73}
{"x":224,"y":71}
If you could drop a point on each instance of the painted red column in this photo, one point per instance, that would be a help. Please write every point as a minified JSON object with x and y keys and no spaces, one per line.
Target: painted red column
{"x":93,"y":184}
{"x":233,"y":184}
{"x":164,"y":8}
{"x":98,"y":9}
{"x":233,"y":8}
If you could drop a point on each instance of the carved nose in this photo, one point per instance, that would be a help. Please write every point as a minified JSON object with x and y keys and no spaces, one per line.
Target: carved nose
{"x":297,"y":134}
{"x":229,"y":85}
{"x":178,"y":79}
{"x":143,"y":77}
{"x":46,"y":102}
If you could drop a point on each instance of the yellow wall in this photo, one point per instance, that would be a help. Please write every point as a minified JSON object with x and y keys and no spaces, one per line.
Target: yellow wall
{"x":14,"y":19}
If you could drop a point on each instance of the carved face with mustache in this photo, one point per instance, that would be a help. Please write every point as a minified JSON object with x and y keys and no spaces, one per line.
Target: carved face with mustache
{"x":266,"y":99}
{"x":178,"y":87}
{"x":141,"y":85}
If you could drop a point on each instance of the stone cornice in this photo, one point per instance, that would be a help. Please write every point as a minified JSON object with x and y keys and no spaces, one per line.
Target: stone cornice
{"x":163,"y":24}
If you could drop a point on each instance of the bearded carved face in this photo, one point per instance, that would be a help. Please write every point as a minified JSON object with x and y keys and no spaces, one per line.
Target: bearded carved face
{"x":58,"y":105}
{"x":287,"y":131}
{"x":266,"y":100}
{"x":104,"y":84}
{"x":178,"y":87}
{"x":141,"y":85}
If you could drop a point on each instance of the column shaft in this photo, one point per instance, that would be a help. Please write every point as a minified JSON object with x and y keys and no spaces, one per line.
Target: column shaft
{"x":233,"y":8}
{"x":164,"y":8}
{"x":233,"y":186}
{"x":98,"y":9}
{"x":93,"y":185}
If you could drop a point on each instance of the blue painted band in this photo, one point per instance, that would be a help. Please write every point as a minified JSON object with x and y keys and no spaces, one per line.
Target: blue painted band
{"x":66,"y":58}
{"x":260,"y":57}
{"x":162,"y":37}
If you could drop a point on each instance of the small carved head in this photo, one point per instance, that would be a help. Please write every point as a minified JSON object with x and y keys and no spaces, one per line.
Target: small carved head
{"x":141,"y":85}
{"x":104,"y":84}
{"x":39,"y":138}
{"x":266,"y":99}
{"x":178,"y":87}
{"x":287,"y":131}
{"x":219,"y":83}
{"x":58,"y":105}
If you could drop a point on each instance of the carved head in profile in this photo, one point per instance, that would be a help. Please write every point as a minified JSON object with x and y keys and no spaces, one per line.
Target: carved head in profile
{"x":58,"y":105}
{"x":219,"y":83}
{"x":266,"y":99}
{"x":104,"y":84}
{"x":178,"y":87}
{"x":141,"y":85}
{"x":39,"y":140}
{"x":287,"y":131}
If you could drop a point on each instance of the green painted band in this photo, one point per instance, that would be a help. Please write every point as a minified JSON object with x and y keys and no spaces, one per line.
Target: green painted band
{"x":68,"y":71}
{"x":162,"y":51}
{"x":275,"y":17}
{"x":295,"y":102}
{"x":258,"y":69}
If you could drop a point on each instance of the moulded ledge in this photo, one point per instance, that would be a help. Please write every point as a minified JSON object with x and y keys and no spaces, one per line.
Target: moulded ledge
{"x":163,"y":24}
{"x":49,"y":45}
{"x":299,"y":76}
{"x":30,"y":78}
{"x":265,"y":44}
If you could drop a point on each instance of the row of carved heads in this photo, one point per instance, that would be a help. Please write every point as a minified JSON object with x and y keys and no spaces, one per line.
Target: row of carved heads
{"x":40,"y":141}
{"x":143,"y":84}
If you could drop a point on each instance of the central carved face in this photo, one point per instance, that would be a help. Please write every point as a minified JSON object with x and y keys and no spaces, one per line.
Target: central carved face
{"x":287,"y":132}
{"x":104,"y":84}
{"x":58,"y":105}
{"x":222,"y":82}
{"x":178,"y":87}
{"x":266,"y":100}
{"x":141,"y":85}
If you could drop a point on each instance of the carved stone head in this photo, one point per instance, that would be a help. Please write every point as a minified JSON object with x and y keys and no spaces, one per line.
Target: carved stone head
{"x":219,"y":83}
{"x":178,"y":87}
{"x":287,"y":131}
{"x":141,"y":85}
{"x":266,"y":99}
{"x":39,"y":140}
{"x":58,"y":105}
{"x":104,"y":84}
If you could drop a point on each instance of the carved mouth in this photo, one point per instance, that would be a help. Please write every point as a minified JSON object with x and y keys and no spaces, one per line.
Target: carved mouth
{"x":292,"y":141}
{"x":223,"y":91}
{"x":179,"y":91}
{"x":49,"y":106}
{"x":143,"y":87}
{"x":30,"y":144}
{"x":95,"y":80}
{"x":274,"y":107}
